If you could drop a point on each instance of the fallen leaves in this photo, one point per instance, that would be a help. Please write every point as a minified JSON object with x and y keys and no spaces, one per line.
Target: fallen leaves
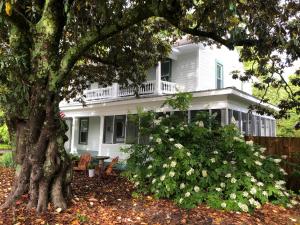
{"x":109,"y":201}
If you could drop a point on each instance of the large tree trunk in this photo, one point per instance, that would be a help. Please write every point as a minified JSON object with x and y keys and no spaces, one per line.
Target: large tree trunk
{"x":44,"y":169}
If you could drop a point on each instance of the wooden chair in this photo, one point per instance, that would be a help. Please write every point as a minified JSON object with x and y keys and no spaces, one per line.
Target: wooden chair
{"x":109,"y":168}
{"x":83,"y":162}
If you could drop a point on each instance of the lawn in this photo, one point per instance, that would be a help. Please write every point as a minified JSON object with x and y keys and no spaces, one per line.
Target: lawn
{"x":109,"y":201}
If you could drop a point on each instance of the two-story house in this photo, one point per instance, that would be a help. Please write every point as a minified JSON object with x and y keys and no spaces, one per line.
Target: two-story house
{"x":102,"y":127}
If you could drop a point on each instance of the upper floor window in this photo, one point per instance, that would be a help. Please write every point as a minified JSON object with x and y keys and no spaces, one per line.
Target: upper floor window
{"x":219,"y":75}
{"x":166,"y":66}
{"x":83,"y":130}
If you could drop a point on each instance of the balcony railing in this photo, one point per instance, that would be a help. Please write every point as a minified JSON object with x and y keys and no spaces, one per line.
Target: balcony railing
{"x":116,"y":91}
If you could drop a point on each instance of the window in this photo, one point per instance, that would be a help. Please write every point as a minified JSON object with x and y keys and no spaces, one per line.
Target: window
{"x":119,"y":129}
{"x":219,"y":75}
{"x":83,"y":130}
{"x":244,"y":123}
{"x":108,"y":129}
{"x":166,"y":66}
{"x":132,"y":129}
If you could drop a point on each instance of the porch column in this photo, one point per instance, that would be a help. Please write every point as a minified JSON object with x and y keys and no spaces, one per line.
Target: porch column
{"x":73,"y":145}
{"x":101,"y":135}
{"x":115,"y":90}
{"x":158,"y":89}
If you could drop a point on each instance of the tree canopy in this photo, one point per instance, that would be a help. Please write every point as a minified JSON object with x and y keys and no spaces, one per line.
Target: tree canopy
{"x":50,"y":48}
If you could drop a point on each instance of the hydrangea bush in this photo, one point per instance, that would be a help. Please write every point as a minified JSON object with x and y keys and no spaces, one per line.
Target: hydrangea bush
{"x":199,"y":162}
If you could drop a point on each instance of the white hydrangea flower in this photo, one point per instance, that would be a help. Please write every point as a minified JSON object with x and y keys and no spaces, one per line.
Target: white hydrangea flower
{"x":233,"y":180}
{"x":218,"y":189}
{"x":204,"y":173}
{"x":151,"y":138}
{"x":277,"y":160}
{"x":289,"y":205}
{"x":188,"y":154}
{"x":172,"y":174}
{"x":173,"y":164}
{"x":253,"y":191}
{"x":149,"y":167}
{"x":223,"y":204}
{"x":170,"y":158}
{"x":162,"y":178}
{"x":253,"y":179}
{"x":165,"y":165}
{"x":249,"y":143}
{"x":158,"y":140}
{"x":265,"y":193}
{"x":196,"y":189}
{"x":181,"y":128}
{"x":233,"y":162}
{"x":167,"y":131}
{"x":179,"y":146}
{"x":135,"y":176}
{"x":172,"y":128}
{"x":258,"y":163}
{"x":136,"y":184}
{"x":262,"y":150}
{"x":233,"y":196}
{"x":171,"y":139}
{"x":153,"y":181}
{"x":149,"y":175}
{"x":190,"y":172}
{"x":185,"y":125}
{"x":188,"y":194}
{"x":271,"y":175}
{"x":213,"y":160}
{"x":215,"y":152}
{"x":180,"y":200}
{"x":200,"y":124}
{"x":245,"y":194}
{"x":248,"y":174}
{"x":294,"y":202}
{"x":182,"y":186}
{"x":280,"y":182}
{"x":151,"y":150}
{"x":283,"y":171}
{"x":225,"y":162}
{"x":256,"y":154}
{"x":252,"y":201}
{"x":228,"y":175}
{"x":262,"y":157}
{"x":284,"y":156}
{"x":244,"y":160}
{"x":243,"y":207}
{"x":238,"y":139}
{"x":222,"y":185}
{"x":260,"y":184}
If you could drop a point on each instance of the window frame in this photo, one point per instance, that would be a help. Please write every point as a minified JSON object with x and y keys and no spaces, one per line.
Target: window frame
{"x":80,"y":126}
{"x":169,"y":76}
{"x":221,"y":78}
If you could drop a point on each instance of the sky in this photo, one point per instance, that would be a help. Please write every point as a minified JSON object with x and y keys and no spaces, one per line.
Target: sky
{"x":291,"y":70}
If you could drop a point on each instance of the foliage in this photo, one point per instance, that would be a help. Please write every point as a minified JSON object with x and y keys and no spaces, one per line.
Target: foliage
{"x":6,"y":160}
{"x":91,"y":166}
{"x":4,"y":135}
{"x":285,"y":126}
{"x":195,"y":162}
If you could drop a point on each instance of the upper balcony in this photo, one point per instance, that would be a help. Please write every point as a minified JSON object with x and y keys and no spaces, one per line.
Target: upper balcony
{"x":117,"y":91}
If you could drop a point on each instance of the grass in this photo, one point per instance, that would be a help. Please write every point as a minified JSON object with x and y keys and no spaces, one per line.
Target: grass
{"x":5,"y":146}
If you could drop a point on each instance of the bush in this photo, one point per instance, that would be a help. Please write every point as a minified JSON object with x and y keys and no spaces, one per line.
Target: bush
{"x":4,"y":135}
{"x":194,"y":162}
{"x":6,"y":160}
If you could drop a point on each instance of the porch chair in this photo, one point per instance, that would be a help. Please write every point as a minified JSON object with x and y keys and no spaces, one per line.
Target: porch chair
{"x":83,"y":162}
{"x":109,"y":169}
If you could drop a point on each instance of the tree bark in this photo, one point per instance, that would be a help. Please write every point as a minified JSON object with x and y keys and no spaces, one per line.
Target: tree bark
{"x":44,"y":170}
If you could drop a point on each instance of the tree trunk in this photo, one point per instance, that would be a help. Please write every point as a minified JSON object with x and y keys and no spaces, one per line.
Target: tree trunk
{"x":44,"y":168}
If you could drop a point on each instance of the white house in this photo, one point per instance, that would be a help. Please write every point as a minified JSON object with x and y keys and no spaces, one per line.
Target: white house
{"x":102,"y":127}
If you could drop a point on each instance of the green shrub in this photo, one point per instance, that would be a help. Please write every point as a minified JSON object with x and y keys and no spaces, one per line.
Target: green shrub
{"x":6,"y":160}
{"x":4,"y":135}
{"x":195,"y":162}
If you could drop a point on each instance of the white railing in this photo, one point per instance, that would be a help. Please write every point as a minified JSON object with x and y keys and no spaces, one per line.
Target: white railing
{"x":100,"y":93}
{"x":148,"y":87}
{"x":168,"y":87}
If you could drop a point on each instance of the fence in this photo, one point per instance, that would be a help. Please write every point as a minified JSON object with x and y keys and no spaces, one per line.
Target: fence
{"x":289,"y":146}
